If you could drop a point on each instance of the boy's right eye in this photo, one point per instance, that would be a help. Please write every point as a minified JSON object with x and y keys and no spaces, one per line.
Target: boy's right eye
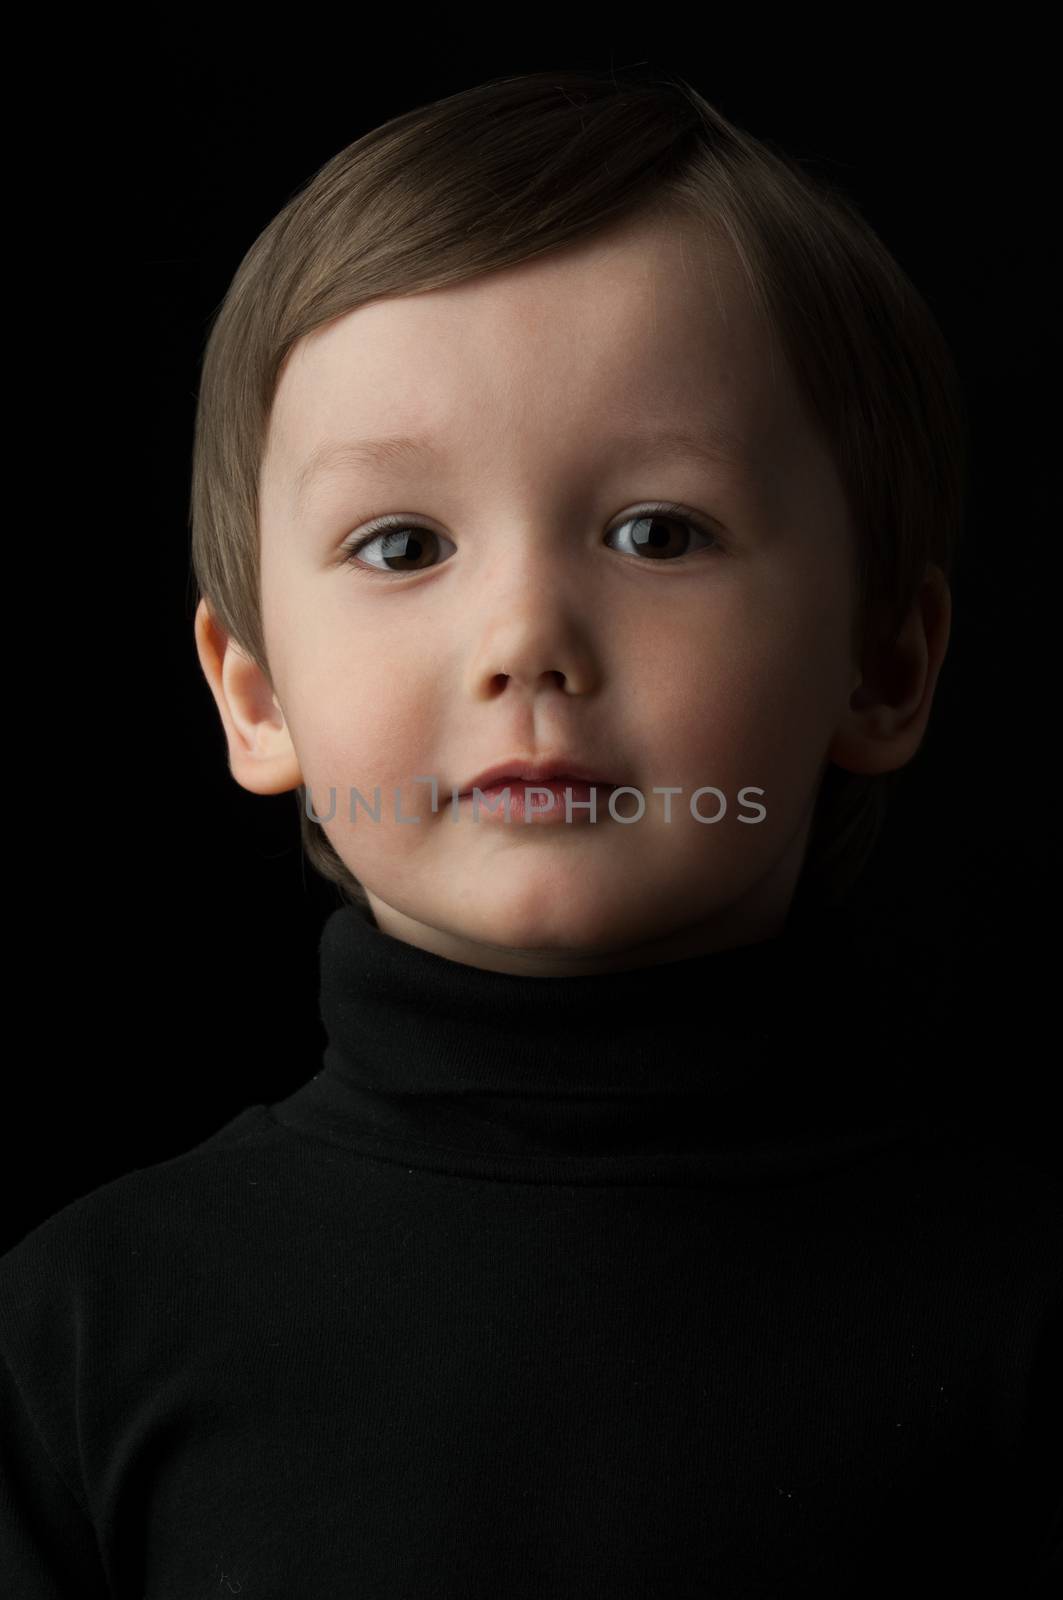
{"x":400,"y":541}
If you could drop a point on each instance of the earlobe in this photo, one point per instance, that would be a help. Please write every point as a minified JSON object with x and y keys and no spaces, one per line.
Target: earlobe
{"x":262,"y":757}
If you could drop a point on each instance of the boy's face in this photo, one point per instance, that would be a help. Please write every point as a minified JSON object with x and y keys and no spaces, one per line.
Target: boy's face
{"x":528,"y":621}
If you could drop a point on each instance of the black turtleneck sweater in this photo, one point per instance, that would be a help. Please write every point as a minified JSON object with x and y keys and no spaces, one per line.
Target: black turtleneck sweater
{"x":668,"y":1282}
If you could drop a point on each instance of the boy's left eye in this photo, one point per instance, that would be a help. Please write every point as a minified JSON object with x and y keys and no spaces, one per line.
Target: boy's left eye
{"x":403,"y":539}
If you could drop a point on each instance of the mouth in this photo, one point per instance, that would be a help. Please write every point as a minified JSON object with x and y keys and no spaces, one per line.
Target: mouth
{"x":551,"y":780}
{"x":560,"y":785}
{"x":546,"y":799}
{"x":525,"y":773}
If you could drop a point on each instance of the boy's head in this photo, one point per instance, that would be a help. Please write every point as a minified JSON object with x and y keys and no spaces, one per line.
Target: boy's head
{"x":539,"y":279}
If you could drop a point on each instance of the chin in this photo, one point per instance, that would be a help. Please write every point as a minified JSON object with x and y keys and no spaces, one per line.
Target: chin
{"x":567,"y":923}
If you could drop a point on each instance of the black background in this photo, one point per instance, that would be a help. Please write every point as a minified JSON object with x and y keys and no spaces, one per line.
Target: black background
{"x":163,"y":925}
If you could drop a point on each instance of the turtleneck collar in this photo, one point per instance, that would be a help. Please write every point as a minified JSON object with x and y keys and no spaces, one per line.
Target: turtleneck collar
{"x":803,"y":1051}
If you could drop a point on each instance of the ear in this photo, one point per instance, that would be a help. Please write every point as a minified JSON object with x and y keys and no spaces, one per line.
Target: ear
{"x":890,"y":705}
{"x":262,"y":757}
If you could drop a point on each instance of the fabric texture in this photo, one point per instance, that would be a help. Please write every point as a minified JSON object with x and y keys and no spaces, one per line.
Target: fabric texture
{"x":674,"y":1281}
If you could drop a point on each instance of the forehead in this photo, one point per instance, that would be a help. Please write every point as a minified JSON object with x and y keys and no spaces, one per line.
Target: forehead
{"x":649,"y":324}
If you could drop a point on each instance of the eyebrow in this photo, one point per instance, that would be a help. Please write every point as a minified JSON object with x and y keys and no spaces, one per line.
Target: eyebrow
{"x":710,"y":444}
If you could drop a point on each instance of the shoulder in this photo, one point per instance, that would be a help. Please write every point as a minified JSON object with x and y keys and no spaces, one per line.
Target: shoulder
{"x":990,"y":1202}
{"x":79,"y":1245}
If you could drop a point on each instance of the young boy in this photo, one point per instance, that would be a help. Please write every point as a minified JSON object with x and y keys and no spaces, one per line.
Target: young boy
{"x":560,"y":447}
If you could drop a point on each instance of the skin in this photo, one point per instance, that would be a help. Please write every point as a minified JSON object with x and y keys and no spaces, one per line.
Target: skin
{"x":527,"y":626}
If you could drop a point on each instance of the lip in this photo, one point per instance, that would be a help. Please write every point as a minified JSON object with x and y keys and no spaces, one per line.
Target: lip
{"x":517,"y":770}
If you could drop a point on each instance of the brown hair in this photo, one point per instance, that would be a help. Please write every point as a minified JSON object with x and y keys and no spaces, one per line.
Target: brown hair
{"x":518,"y":165}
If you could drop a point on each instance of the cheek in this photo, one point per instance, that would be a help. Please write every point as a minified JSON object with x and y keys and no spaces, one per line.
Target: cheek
{"x":789,"y":706}
{"x":753,"y":701}
{"x":361,"y":738}
{"x":365,"y":731}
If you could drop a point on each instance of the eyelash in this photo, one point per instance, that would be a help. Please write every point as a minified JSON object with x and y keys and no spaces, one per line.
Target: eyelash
{"x":670,"y":512}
